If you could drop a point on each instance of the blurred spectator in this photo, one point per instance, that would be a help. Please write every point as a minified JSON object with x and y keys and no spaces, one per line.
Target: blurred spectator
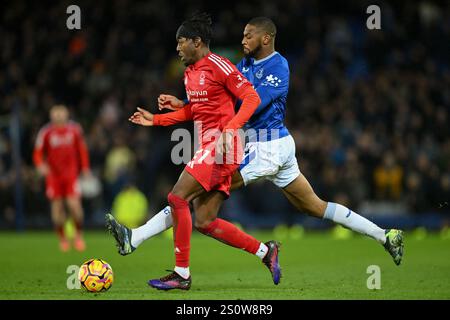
{"x":130,"y":207}
{"x":119,"y":166}
{"x":388,"y":179}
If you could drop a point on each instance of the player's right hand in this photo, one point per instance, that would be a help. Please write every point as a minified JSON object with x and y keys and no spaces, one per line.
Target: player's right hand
{"x":86,"y":173}
{"x":142,"y":117}
{"x":167,"y":101}
{"x":43,"y":170}
{"x":225,"y":143}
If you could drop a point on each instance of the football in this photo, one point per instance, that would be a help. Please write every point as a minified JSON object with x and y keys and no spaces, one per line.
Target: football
{"x":96,"y":275}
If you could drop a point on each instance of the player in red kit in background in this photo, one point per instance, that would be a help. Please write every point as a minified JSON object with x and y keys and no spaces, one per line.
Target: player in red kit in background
{"x":60,"y":154}
{"x":212,"y":84}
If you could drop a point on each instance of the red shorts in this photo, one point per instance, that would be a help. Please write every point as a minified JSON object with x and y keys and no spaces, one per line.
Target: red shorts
{"x":61,"y":187}
{"x":210,"y":173}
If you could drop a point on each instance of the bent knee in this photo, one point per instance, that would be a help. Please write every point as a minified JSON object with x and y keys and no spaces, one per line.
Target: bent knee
{"x":202,"y":224}
{"x":176,"y":201}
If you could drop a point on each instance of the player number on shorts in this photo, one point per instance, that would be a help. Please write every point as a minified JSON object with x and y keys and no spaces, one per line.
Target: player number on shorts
{"x":196,"y":155}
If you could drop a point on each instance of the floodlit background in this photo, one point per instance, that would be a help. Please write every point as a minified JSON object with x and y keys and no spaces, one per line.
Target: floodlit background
{"x":368,"y":109}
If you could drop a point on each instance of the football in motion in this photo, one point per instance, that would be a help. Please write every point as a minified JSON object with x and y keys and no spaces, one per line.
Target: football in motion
{"x":96,"y":275}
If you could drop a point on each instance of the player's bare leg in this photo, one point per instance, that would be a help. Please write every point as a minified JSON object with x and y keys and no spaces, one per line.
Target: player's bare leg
{"x":236,"y":181}
{"x":206,"y":209}
{"x":300,"y":193}
{"x":76,"y":211}
{"x":187,"y":187}
{"x":58,"y":219}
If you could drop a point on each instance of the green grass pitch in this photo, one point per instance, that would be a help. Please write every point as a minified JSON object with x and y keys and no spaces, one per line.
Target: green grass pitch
{"x":316,"y":266}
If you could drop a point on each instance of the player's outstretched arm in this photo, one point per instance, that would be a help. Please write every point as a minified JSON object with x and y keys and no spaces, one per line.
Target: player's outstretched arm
{"x":167,"y":101}
{"x":168,"y":119}
{"x":145,"y":118}
{"x":142,"y":117}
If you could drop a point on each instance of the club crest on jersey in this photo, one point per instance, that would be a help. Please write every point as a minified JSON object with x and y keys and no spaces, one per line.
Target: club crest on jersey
{"x":259,"y":74}
{"x":202,"y":78}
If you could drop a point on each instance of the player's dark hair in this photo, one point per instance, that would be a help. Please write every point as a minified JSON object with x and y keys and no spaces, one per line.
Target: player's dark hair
{"x":265,"y":24}
{"x":199,"y":25}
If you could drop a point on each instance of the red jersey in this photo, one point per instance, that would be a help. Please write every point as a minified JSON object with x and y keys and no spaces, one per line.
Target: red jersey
{"x":212,"y":86}
{"x":63,"y":148}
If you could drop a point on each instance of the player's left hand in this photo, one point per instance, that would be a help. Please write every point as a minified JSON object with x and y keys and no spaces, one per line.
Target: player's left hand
{"x":43,"y":169}
{"x":86,"y":173}
{"x":225,"y":143}
{"x":142,"y":117}
{"x":167,"y":101}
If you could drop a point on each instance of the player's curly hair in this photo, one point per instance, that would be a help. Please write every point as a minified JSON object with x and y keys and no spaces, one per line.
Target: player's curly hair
{"x":201,"y":24}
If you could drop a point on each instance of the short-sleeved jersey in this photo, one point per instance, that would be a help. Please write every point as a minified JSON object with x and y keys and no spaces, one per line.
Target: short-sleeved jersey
{"x":212,"y":85}
{"x":270,"y":78}
{"x":62,"y":148}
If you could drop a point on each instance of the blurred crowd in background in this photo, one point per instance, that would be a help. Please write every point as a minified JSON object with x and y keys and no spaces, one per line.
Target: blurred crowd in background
{"x":368,"y":109}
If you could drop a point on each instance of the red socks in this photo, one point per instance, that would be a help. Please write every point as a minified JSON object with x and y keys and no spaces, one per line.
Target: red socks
{"x":182,"y":229}
{"x":219,"y":229}
{"x":230,"y":234}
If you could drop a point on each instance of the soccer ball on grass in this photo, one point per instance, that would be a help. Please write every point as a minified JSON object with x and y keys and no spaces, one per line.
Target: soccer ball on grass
{"x":96,"y":275}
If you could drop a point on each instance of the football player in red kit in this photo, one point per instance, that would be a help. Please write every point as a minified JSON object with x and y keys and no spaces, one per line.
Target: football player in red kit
{"x":59,"y":155}
{"x":213,"y":84}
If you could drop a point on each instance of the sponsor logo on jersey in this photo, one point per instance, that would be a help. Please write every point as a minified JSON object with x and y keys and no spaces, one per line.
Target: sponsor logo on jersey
{"x":57,"y":140}
{"x":244,"y":69}
{"x":271,"y":81}
{"x":197,"y":93}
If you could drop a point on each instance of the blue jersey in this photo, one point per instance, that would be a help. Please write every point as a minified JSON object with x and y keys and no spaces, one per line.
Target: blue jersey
{"x":270,"y":78}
